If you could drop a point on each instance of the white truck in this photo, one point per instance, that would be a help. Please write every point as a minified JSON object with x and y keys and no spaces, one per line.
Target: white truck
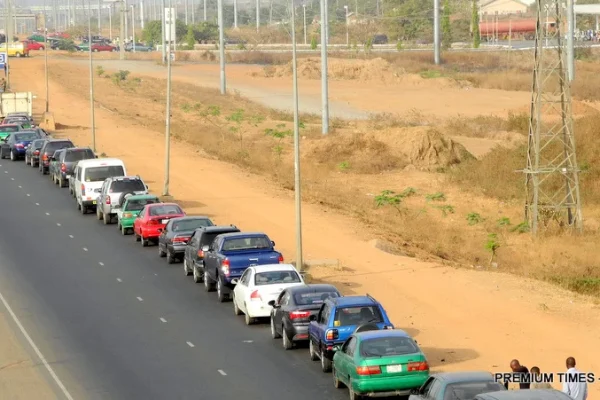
{"x":11,"y":102}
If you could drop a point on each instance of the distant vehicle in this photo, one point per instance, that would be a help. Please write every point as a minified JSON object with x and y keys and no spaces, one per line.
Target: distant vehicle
{"x":15,"y":144}
{"x":11,"y":102}
{"x":127,"y":214}
{"x":380,"y":39}
{"x":96,"y":47}
{"x":193,"y":260}
{"x":337,"y":319}
{"x":34,"y":45}
{"x":175,"y":235}
{"x":260,"y":285}
{"x":113,"y":193}
{"x":88,"y":178}
{"x":138,"y":47}
{"x":291,"y":311}
{"x":226,"y":259}
{"x":48,"y":149}
{"x":24,"y":122}
{"x":532,"y":394}
{"x":67,"y":162}
{"x":457,"y":385}
{"x":32,"y":154}
{"x":152,"y":220}
{"x":7,"y":129}
{"x":19,"y":114}
{"x":36,"y":38}
{"x":15,"y":49}
{"x":55,"y":164}
{"x":380,"y":363}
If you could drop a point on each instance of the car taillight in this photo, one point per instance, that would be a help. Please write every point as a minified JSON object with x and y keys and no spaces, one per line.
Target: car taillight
{"x":63,"y":167}
{"x":331,"y":334}
{"x":280,"y":259}
{"x":369,"y":370}
{"x":153,"y":222}
{"x":19,"y":145}
{"x":255,"y":296}
{"x":299,"y":314}
{"x":418,"y":366}
{"x":127,"y":215}
{"x":82,"y":190}
{"x":180,"y":239}
{"x":200,"y":254}
{"x":225,"y":267}
{"x":36,"y":153}
{"x":108,"y":200}
{"x":45,"y":157}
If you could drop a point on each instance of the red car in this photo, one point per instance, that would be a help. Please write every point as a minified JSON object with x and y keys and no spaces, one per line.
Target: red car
{"x":152,"y":220}
{"x":103,"y":47}
{"x":33,"y":45}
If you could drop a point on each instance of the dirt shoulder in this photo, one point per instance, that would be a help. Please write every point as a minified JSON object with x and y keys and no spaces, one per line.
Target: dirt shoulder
{"x":464,"y":319}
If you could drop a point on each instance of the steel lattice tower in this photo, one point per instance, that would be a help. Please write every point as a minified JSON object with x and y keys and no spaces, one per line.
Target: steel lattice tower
{"x":552,"y":181}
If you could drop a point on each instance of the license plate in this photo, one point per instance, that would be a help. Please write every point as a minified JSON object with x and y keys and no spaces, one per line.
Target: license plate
{"x":94,"y":202}
{"x":394,"y":368}
{"x":164,"y":221}
{"x":68,"y":176}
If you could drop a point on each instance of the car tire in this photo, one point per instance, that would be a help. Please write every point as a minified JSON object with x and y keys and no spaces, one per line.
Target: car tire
{"x":144,"y":241}
{"x":336,"y":382}
{"x":124,"y":231}
{"x":325,"y":362}
{"x":311,"y":350}
{"x":274,"y":333}
{"x":186,"y":270}
{"x":221,"y":296}
{"x":83,"y":209}
{"x":61,"y":183}
{"x":136,"y":237}
{"x":106,"y":219}
{"x":170,"y":257}
{"x":12,"y":156}
{"x":288,"y":343}
{"x":236,"y":309}
{"x":161,"y":253}
{"x":98,"y":213}
{"x":209,"y":284}
{"x":196,"y":275}
{"x":351,"y":392}
{"x":247,"y":318}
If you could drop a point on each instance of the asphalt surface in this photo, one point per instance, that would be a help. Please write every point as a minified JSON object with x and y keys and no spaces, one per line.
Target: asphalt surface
{"x":115,"y":321}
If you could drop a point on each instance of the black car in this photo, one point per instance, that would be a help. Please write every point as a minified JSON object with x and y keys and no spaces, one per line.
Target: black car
{"x":55,"y":164}
{"x":66,"y":162}
{"x":193,"y":257}
{"x":15,"y":145}
{"x":174,"y":237}
{"x":293,"y":308}
{"x":32,"y":154}
{"x":48,"y":149}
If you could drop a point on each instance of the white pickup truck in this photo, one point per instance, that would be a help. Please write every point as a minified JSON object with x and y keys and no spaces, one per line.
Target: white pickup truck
{"x":12,"y":102}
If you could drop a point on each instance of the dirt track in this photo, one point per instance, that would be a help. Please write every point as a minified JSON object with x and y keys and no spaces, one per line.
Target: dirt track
{"x":464,"y":319}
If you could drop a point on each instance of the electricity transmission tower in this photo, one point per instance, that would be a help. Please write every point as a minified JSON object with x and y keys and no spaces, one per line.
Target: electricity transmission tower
{"x":552,"y":181}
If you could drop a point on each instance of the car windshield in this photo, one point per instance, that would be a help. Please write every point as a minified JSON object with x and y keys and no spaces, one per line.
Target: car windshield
{"x":127,"y":185}
{"x":191,"y":224}
{"x":137,"y":205}
{"x":78,"y":155}
{"x":256,"y":242}
{"x":26,"y":136}
{"x":51,"y":147}
{"x":388,"y":346}
{"x":357,"y":315}
{"x":165,"y":210}
{"x":310,"y":298}
{"x":37,"y":144}
{"x":276,"y":277}
{"x":9,"y":128}
{"x":57,"y":153}
{"x":100,"y":174}
{"x":468,"y":390}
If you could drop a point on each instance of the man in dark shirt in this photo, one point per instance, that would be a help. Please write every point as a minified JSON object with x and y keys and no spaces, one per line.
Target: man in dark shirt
{"x":517,"y":368}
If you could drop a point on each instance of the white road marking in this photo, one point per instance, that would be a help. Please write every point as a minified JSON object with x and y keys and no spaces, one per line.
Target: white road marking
{"x":28,"y":195}
{"x":140,"y":299}
{"x":85,"y":249}
{"x":163,"y":320}
{"x":155,"y":274}
{"x":222,"y":372}
{"x":119,"y":280}
{"x":71,"y":236}
{"x":12,"y":179}
{"x":248,"y":341}
{"x":47,"y":213}
{"x":58,"y":224}
{"x":37,"y":204}
{"x":190,"y":344}
{"x":20,"y":187}
{"x":36,"y":349}
{"x":101,"y":263}
{"x":6,"y":172}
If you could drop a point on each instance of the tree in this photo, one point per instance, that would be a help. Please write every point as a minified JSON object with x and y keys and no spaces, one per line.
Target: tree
{"x":475,"y":19}
{"x":446,"y":26}
{"x":152,"y":32}
{"x":190,"y":39}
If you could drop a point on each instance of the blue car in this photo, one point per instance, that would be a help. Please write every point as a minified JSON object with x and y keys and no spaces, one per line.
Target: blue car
{"x":15,"y":145}
{"x":339,"y":318}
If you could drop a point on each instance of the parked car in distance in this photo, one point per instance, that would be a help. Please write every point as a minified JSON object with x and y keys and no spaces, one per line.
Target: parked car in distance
{"x":15,"y":144}
{"x":127,"y":214}
{"x":96,"y":47}
{"x":48,"y":149}
{"x":175,"y":235}
{"x":67,"y":162}
{"x":19,"y":114}
{"x":226,"y":259}
{"x":380,"y":363}
{"x":55,"y":164}
{"x":23,"y":122}
{"x":193,"y":259}
{"x":152,"y":220}
{"x":292,"y":309}
{"x":457,"y":385}
{"x":138,"y":47}
{"x":260,"y":285}
{"x":33,"y":45}
{"x":32,"y":153}
{"x":88,"y":178}
{"x":532,"y":394}
{"x":113,"y":192}
{"x":337,"y":319}
{"x":7,"y":129}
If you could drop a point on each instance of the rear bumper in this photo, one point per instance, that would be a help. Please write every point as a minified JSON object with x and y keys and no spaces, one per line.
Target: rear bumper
{"x":150,"y":233}
{"x":297,"y":333}
{"x":389,"y":386}
{"x":127,"y":222}
{"x":177,"y":248}
{"x":19,"y":152}
{"x":88,"y":203}
{"x":259,"y":309}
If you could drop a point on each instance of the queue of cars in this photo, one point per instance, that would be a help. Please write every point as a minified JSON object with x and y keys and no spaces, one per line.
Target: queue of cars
{"x":351,"y":336}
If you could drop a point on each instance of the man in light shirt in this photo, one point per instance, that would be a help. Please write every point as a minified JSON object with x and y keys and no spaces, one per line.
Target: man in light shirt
{"x":575,"y":390}
{"x":538,"y":385}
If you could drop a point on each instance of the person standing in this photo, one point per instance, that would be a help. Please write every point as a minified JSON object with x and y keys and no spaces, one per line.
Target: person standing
{"x":522,"y":372}
{"x":535,"y":372}
{"x":576,"y":390}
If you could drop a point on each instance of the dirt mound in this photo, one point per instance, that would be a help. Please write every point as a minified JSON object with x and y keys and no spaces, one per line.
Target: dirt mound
{"x":310,"y":68}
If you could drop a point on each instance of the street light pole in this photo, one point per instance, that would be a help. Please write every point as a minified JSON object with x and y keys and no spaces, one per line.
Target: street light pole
{"x":110,"y":12}
{"x":304,"y":14}
{"x":297,"y":180}
{"x":133,"y":27}
{"x":172,"y":20}
{"x":122,"y":33}
{"x":324,"y":83}
{"x":93,"y":117}
{"x":221,"y":46}
{"x":204,"y":10}
{"x":163,"y":30}
{"x":46,"y":66}
{"x":9,"y":39}
{"x":257,"y":15}
{"x":347,"y":28}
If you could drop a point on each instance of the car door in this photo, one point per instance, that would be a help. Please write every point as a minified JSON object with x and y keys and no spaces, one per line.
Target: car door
{"x":163,"y":237}
{"x":210,"y":258}
{"x":137,"y":223}
{"x":345,"y":361}
{"x":423,"y":391}
{"x":278,"y":311}
{"x":102,"y":196}
{"x":239,"y":292}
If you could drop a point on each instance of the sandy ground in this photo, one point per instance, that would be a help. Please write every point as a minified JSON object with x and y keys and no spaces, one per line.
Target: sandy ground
{"x":464,"y":319}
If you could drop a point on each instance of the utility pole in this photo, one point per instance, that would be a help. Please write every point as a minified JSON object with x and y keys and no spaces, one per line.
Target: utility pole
{"x":92,"y":114}
{"x":46,"y":67}
{"x":347,"y":27}
{"x":9,"y":40}
{"x":436,"y":31}
{"x":570,"y":39}
{"x":163,"y":30}
{"x":110,"y":12}
{"x":142,"y":15}
{"x":235,"y":25}
{"x":122,"y":33}
{"x":552,"y":173}
{"x":133,"y":27}
{"x":99,"y":17}
{"x":193,"y":12}
{"x":172,"y":22}
{"x":204,"y":10}
{"x":297,"y":180}
{"x":186,"y":11}
{"x":304,"y":29}
{"x":221,"y":46}
{"x":257,"y":15}
{"x":324,"y":83}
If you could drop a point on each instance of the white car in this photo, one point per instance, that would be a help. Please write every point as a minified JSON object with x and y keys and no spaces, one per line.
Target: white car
{"x":261,"y":284}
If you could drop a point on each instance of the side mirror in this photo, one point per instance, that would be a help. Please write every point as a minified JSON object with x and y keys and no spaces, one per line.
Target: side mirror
{"x":312,"y":318}
{"x":95,"y":156}
{"x":271,"y":303}
{"x":160,"y":229}
{"x":205,"y":248}
{"x":146,"y":187}
{"x":336,"y":347}
{"x":235,"y":281}
{"x":272,"y":243}
{"x":414,"y":391}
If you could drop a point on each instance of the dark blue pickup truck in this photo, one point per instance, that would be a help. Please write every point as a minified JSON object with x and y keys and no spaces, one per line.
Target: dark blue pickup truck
{"x":226,"y":259}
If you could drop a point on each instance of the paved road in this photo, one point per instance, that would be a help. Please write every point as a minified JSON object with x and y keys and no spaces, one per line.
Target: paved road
{"x":93,"y":300}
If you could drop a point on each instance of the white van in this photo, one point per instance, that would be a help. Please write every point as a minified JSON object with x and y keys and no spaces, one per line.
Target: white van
{"x":89,"y":175}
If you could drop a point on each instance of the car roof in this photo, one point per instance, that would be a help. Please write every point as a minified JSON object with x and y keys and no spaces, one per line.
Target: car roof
{"x":219,"y":228}
{"x":79,"y":149}
{"x":142,"y":197}
{"x":537,"y":394}
{"x":462,"y":376}
{"x":6,"y":125}
{"x":381,"y":334}
{"x":352,"y":301}
{"x":99,"y":161}
{"x":315,"y":287}
{"x":273,"y":267}
{"x":124,"y":178}
{"x":188,"y":217}
{"x":162,"y":204}
{"x":242,"y":234}
{"x":50,"y":140}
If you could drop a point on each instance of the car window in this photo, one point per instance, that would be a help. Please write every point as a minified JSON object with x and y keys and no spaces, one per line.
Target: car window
{"x":51,"y":147}
{"x":285,"y":299}
{"x":57,"y":153}
{"x":165,"y":210}
{"x":251,"y":243}
{"x":245,"y":277}
{"x":208,"y":237}
{"x":346,"y":316}
{"x":325,"y":313}
{"x":468,"y":390}
{"x":276,"y":277}
{"x":9,"y":128}
{"x":388,"y":346}
{"x":435,"y":389}
{"x":99,"y":174}
{"x":191,"y":224}
{"x":426,"y":386}
{"x":127,"y":185}
{"x":137,"y":205}
{"x":26,"y":136}
{"x":310,"y":298}
{"x":142,"y":213}
{"x":37,"y":144}
{"x":78,"y":155}
{"x":351,"y":346}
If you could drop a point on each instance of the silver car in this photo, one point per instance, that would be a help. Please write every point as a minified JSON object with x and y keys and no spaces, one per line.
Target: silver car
{"x":113,"y":193}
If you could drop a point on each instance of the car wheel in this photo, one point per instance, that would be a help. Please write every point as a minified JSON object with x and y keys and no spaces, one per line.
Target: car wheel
{"x":274,"y":333}
{"x":106,"y":219}
{"x":61,"y":183}
{"x":221,"y":296}
{"x":287,"y":343}
{"x":12,"y":156}
{"x":247,"y":318}
{"x":236,"y":309}
{"x":336,"y":382}
{"x":98,"y":213}
{"x":144,"y":241}
{"x":197,"y":277}
{"x":161,"y":253}
{"x":325,"y":363}
{"x":83,"y":209}
{"x":170,"y":257}
{"x":351,"y":392}
{"x":209,"y":284}
{"x":136,"y":237}
{"x":123,"y":231}
{"x":186,"y":270}
{"x":311,"y":351}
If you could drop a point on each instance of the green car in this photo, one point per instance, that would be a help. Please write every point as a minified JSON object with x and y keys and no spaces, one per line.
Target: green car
{"x":6,"y":130}
{"x":130,"y":210}
{"x":379,"y":363}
